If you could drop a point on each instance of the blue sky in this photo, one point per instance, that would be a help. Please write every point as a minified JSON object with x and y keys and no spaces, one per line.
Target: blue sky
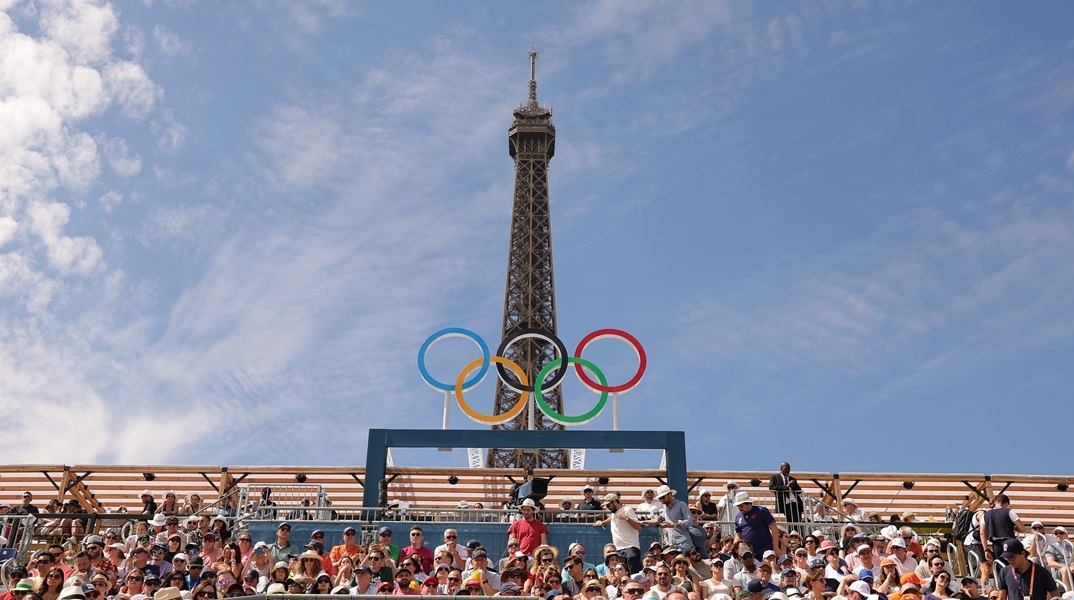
{"x":842,"y":230}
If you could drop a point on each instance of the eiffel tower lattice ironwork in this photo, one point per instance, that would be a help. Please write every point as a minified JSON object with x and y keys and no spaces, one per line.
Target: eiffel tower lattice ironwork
{"x":530,"y":301}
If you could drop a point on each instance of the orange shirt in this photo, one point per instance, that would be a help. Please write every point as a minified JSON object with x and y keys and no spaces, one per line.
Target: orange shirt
{"x":338,"y":552}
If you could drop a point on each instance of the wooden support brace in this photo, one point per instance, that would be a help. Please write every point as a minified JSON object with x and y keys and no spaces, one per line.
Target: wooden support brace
{"x":210,"y":482}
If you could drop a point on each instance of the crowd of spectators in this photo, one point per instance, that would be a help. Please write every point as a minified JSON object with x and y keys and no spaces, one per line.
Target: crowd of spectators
{"x":725,"y":548}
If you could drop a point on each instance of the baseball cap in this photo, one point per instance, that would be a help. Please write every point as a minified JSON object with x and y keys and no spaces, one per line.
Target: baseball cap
{"x":911,"y":578}
{"x":609,"y":498}
{"x":756,"y":586}
{"x":384,"y":529}
{"x":349,"y":529}
{"x":1012,"y":547}
{"x":862,"y":588}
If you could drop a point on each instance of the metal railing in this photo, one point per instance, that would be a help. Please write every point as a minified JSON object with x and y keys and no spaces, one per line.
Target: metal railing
{"x":288,"y":502}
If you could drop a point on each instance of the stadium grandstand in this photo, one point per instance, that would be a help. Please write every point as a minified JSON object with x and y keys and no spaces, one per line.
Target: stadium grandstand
{"x":75,"y":502}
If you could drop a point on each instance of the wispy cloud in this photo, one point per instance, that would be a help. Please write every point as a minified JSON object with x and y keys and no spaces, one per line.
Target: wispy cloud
{"x":957,"y":294}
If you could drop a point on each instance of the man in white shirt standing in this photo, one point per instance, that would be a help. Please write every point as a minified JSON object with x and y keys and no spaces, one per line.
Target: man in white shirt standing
{"x":625,"y":526}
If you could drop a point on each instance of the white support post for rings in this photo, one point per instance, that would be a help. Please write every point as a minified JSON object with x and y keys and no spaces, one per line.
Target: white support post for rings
{"x":615,"y":411}
{"x":447,"y":408}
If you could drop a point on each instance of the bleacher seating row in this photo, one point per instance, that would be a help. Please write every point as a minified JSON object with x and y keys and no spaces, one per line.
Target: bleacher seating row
{"x":106,"y":488}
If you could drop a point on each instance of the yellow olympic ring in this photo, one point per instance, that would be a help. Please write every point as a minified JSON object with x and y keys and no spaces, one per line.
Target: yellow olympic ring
{"x":481,"y":417}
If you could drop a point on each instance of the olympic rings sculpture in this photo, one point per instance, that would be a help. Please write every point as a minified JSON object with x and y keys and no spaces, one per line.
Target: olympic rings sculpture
{"x":514,"y":377}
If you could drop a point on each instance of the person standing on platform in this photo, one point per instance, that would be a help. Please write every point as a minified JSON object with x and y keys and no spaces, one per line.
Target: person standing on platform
{"x":676,"y":518}
{"x":756,"y":525}
{"x":999,"y":525}
{"x":625,"y":526}
{"x":529,"y":532}
{"x":788,"y":493}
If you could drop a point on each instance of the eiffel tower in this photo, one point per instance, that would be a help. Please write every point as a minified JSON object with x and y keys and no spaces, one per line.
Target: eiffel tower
{"x":530,"y":301}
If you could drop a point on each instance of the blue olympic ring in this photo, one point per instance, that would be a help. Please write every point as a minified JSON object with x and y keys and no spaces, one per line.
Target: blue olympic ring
{"x":447,"y":333}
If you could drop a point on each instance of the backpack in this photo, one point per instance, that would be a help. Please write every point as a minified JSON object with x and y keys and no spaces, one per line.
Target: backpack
{"x":963,"y":524}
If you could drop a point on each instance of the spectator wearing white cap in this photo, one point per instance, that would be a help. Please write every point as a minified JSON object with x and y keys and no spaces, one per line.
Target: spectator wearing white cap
{"x":588,"y":501}
{"x":756,"y":525}
{"x":1059,"y":556}
{"x":859,"y":590}
{"x":675,"y":520}
{"x":1037,"y":541}
{"x":529,"y":532}
{"x":649,"y":506}
{"x":853,"y":512}
{"x":904,"y":563}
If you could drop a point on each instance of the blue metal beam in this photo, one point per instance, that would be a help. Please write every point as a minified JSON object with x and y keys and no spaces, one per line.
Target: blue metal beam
{"x":380,"y":440}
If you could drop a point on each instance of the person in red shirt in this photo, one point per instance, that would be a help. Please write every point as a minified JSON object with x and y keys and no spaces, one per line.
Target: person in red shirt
{"x":529,"y":532}
{"x":417,"y":539}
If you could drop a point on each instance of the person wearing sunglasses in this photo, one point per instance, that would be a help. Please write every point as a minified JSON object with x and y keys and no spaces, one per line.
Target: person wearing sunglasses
{"x":348,"y":548}
{"x":133,"y":583}
{"x":204,"y":591}
{"x":459,"y":553}
{"x":971,"y":590}
{"x":417,"y":548}
{"x":384,"y":540}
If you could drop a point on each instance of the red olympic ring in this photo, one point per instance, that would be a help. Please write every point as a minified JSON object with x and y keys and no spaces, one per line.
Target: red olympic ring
{"x":620,"y":335}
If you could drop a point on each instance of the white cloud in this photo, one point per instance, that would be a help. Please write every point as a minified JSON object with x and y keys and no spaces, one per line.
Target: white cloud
{"x":110,"y":200}
{"x":78,"y":254}
{"x":171,"y":134}
{"x":60,"y":76}
{"x":8,"y":227}
{"x":171,"y":222}
{"x":83,"y":29}
{"x":963,"y":291}
{"x":121,"y":159}
{"x":169,"y":43}
{"x":1070,"y":162}
{"x":130,"y":85}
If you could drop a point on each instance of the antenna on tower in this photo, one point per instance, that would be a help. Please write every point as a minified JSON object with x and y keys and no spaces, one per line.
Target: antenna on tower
{"x":533,"y":76}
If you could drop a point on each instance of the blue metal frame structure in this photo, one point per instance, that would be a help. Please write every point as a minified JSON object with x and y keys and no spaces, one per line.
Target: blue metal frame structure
{"x":673,"y":443}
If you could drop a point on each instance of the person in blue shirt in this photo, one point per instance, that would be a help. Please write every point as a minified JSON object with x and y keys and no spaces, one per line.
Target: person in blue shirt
{"x":756,"y":525}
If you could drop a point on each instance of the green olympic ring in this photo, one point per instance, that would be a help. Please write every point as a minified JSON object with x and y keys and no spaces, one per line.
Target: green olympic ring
{"x":551,"y":412}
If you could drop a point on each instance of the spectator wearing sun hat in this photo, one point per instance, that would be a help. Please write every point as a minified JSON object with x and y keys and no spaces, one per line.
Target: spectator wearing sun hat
{"x":588,"y":501}
{"x":756,"y":525}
